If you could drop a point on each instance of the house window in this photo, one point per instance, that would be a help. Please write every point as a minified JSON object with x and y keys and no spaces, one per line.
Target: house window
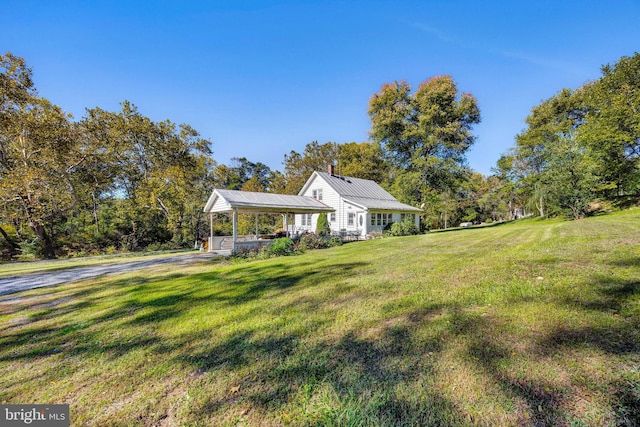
{"x":317,"y":194}
{"x":332,"y":217}
{"x":381,"y":219}
{"x":351,"y":219}
{"x":306,"y":219}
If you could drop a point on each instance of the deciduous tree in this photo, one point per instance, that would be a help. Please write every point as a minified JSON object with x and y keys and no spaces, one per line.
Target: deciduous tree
{"x":612,"y":125}
{"x":425,"y":134}
{"x":299,"y":167}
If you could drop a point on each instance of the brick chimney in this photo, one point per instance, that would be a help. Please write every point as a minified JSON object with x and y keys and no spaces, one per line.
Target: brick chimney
{"x":331,"y":169}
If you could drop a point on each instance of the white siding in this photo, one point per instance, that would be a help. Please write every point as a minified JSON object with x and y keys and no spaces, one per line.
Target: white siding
{"x":343,"y":219}
{"x":330,"y":197}
{"x":220,"y":205}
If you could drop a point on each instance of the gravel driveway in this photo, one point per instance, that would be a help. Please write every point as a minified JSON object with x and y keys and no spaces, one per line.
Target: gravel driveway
{"x":9,"y":285}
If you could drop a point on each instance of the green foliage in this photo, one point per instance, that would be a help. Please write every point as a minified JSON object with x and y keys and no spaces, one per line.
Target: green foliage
{"x":580,"y":145}
{"x":282,"y":246}
{"x":109,"y":180}
{"x":360,"y":160}
{"x":242,"y":174}
{"x":29,"y":250}
{"x":9,"y":246}
{"x":404,"y":228}
{"x":612,"y":125}
{"x":425,"y":136}
{"x":299,"y":167}
{"x":322,"y":226}
{"x":315,"y":241}
{"x":39,"y":148}
{"x":429,"y":131}
{"x":364,"y":160}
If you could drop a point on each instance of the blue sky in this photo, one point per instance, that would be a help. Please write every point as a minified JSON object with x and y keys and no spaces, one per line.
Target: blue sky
{"x":262,"y":78}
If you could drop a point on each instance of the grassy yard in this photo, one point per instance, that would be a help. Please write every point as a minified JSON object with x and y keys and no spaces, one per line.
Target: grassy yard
{"x":530,"y":323}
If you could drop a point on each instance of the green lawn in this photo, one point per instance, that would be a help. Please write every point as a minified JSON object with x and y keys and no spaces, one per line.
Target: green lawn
{"x":529,"y":323}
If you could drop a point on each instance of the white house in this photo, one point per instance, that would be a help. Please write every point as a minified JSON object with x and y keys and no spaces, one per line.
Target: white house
{"x":361,"y":206}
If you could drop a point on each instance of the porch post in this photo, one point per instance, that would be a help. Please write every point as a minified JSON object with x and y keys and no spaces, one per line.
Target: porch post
{"x":286,"y":224}
{"x":256,"y":226}
{"x":210,"y":248}
{"x":235,"y":228}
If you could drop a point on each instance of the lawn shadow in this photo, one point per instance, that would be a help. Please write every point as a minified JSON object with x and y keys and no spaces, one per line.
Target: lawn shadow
{"x":278,"y":367}
{"x":620,"y":335}
{"x":491,"y":353}
{"x":140,"y":304}
{"x":256,"y":282}
{"x":473,"y":227}
{"x":615,"y":331}
{"x":34,"y":336}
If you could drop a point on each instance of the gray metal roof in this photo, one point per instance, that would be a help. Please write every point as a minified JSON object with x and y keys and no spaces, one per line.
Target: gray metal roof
{"x":383,"y":205}
{"x":262,"y":202}
{"x":365,"y":193}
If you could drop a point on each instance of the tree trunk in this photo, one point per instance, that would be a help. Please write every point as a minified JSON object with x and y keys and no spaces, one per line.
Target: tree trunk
{"x":178,"y":238}
{"x":45,"y":240}
{"x":13,"y":246}
{"x":38,"y":228}
{"x":16,"y":225}
{"x":95,"y":212}
{"x":540,"y":207}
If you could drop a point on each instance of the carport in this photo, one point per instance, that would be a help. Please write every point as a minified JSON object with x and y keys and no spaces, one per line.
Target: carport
{"x":234,"y":202}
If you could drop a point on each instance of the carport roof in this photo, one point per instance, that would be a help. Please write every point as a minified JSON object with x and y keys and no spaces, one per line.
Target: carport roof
{"x":222,"y":201}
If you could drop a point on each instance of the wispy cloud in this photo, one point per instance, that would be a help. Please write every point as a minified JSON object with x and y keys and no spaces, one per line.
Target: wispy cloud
{"x":539,"y":61}
{"x":432,"y":30}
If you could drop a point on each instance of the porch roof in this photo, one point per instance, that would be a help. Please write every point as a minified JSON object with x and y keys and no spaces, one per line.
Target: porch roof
{"x":222,"y":201}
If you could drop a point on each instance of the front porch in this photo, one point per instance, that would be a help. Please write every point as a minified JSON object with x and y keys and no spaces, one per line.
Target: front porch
{"x":234,"y":202}
{"x":255,"y":242}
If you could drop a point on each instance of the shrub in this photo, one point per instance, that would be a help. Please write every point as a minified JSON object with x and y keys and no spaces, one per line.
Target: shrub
{"x":405,"y":228}
{"x":335,"y":241}
{"x":322,"y":227}
{"x":281,"y":246}
{"x":313,"y":241}
{"x":30,"y":250}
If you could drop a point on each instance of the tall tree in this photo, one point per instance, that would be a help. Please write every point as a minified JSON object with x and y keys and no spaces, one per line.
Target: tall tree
{"x":111,"y":179}
{"x":555,"y":168}
{"x":299,"y":167}
{"x":37,"y":155}
{"x":435,"y":122}
{"x":612,"y":126}
{"x":241,"y":170}
{"x":364,"y":160}
{"x":155,"y":167}
{"x":507,"y":187}
{"x":16,"y":92}
{"x":427,"y":133}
